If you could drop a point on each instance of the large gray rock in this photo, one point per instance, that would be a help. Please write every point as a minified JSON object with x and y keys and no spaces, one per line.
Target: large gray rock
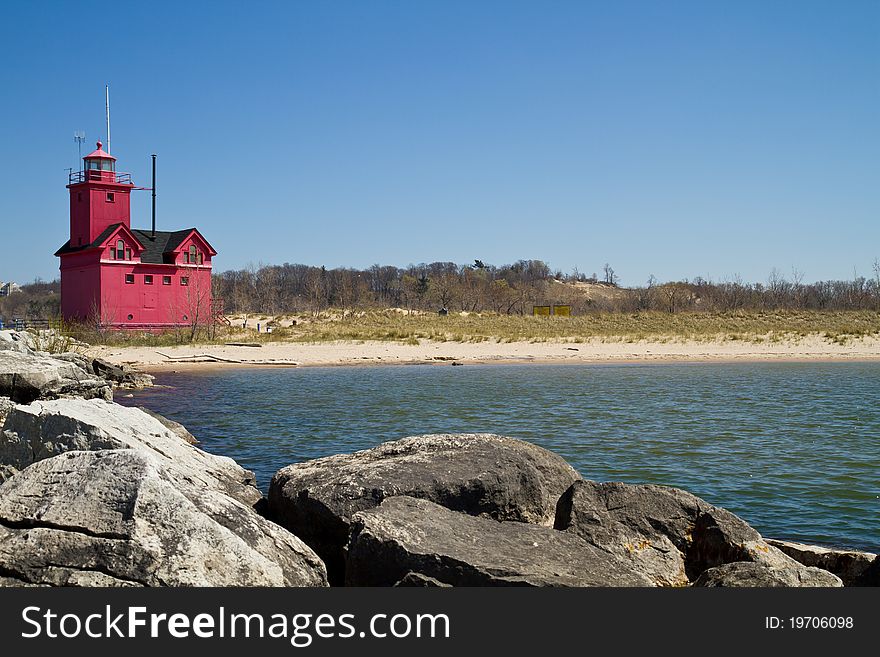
{"x":26,"y":377}
{"x":176,"y":427}
{"x":6,"y":472}
{"x":120,"y":518}
{"x":478,"y":474}
{"x":871,"y":576}
{"x":851,"y":566}
{"x":407,"y":540}
{"x":121,"y":376}
{"x":46,"y":428}
{"x":669,"y":534}
{"x":83,"y":362}
{"x":752,"y":574}
{"x":14,"y":341}
{"x":6,"y":582}
{"x":418,"y":580}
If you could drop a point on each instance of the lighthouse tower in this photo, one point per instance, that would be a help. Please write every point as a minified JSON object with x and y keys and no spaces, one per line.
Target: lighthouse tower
{"x":116,"y":276}
{"x":99,"y":197}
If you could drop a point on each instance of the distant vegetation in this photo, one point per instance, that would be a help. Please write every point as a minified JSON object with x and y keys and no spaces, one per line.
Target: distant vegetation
{"x":37,"y":300}
{"x":514,"y":289}
{"x":751,"y":326}
{"x":485,"y":302}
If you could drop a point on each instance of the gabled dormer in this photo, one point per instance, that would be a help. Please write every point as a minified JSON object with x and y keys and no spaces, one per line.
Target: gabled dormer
{"x":119,"y":244}
{"x":193,"y":249}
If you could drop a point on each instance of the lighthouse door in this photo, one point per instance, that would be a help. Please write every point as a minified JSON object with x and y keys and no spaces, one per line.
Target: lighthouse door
{"x":149,"y":299}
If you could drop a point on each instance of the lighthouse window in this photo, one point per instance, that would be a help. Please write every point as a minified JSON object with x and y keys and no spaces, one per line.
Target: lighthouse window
{"x":148,"y":279}
{"x":111,"y":197}
{"x":166,"y":280}
{"x":120,"y":250}
{"x":129,"y":279}
{"x":128,"y":254}
{"x":184,"y":280}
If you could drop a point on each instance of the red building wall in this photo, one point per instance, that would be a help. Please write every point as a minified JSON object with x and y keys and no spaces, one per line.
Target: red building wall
{"x":80,"y":283}
{"x":138,"y":304}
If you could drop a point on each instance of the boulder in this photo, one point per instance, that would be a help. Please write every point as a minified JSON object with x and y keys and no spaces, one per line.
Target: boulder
{"x":871,"y":576}
{"x":421,"y":581}
{"x":108,"y":370}
{"x":478,"y":474}
{"x":668,"y":534}
{"x":84,"y":362}
{"x":121,"y":518}
{"x":41,"y":342}
{"x":752,"y":574}
{"x":46,"y":428}
{"x":851,"y":566}
{"x":6,"y":472}
{"x":136,"y":380}
{"x":14,"y":341}
{"x":121,"y":376}
{"x":8,"y":582}
{"x":176,"y":427}
{"x":26,"y":377}
{"x":406,"y":539}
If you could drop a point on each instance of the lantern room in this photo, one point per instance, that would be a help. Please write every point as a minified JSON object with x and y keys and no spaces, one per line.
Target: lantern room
{"x":99,"y":165}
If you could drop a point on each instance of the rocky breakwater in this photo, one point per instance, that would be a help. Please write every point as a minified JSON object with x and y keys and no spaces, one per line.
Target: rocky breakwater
{"x":97,"y":494}
{"x":485,"y":510}
{"x":28,"y":374}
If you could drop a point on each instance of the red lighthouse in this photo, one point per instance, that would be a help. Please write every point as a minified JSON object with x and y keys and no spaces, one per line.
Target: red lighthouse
{"x":121,"y":277}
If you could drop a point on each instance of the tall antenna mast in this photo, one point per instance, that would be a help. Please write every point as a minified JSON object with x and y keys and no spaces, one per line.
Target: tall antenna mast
{"x":107,"y":106}
{"x":79,"y":136}
{"x":153,"y":189}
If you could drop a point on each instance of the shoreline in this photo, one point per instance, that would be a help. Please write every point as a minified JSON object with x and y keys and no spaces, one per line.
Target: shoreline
{"x":593,"y":352}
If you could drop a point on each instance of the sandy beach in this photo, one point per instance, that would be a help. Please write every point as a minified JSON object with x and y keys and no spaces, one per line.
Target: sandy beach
{"x":811,"y":348}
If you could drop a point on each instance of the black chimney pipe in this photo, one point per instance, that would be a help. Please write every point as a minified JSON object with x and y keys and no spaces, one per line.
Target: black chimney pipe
{"x":154,"y":194}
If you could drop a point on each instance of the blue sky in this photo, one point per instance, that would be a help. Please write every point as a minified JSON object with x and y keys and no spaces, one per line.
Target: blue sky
{"x":676,"y":138}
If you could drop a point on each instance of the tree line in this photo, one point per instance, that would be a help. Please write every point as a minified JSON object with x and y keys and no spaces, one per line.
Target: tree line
{"x":37,"y":300}
{"x":516,"y":288}
{"x":511,"y":289}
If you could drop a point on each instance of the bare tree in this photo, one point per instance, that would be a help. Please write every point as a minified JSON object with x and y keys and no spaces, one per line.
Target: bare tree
{"x":610,"y":277}
{"x":673,"y":294}
{"x":443,"y":289}
{"x":876,"y":267}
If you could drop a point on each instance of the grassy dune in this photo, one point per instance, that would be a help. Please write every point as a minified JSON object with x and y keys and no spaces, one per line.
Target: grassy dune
{"x":757,"y":327}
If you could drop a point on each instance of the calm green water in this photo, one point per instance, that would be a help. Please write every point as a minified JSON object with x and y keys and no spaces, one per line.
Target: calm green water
{"x":792,"y":448}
